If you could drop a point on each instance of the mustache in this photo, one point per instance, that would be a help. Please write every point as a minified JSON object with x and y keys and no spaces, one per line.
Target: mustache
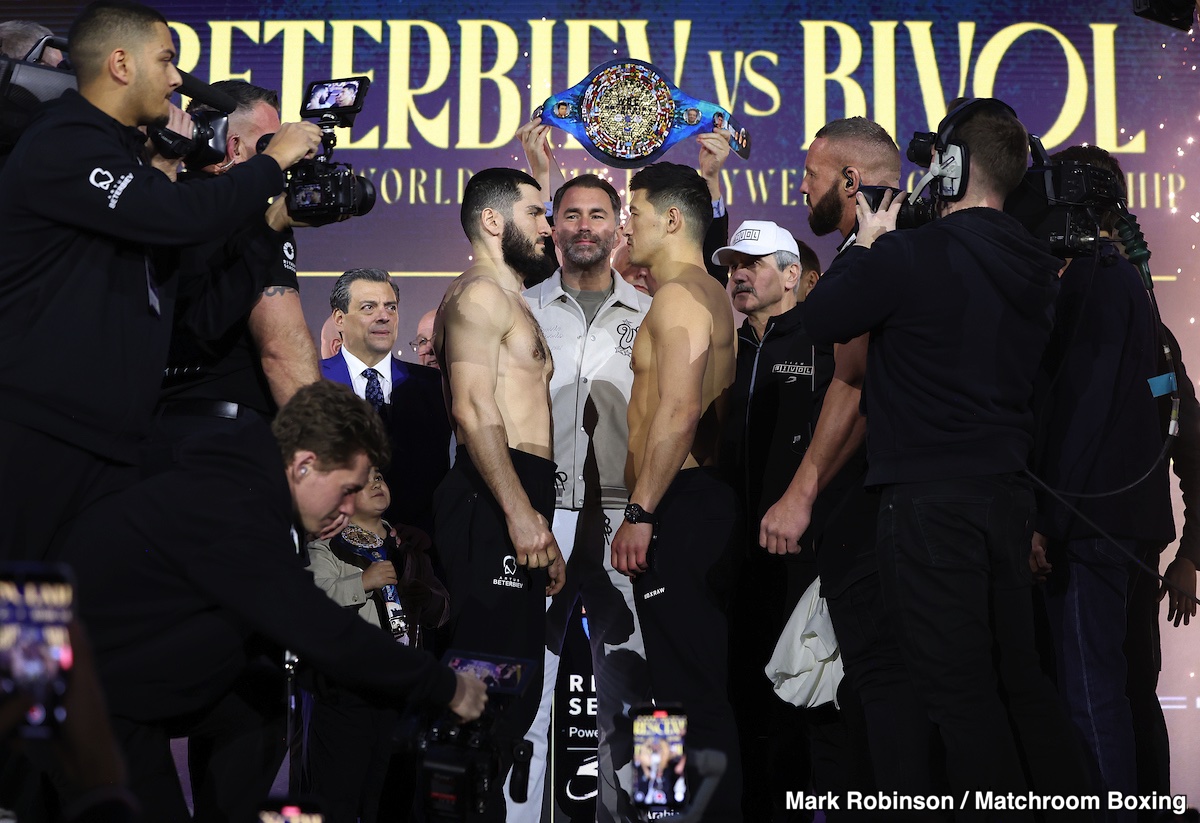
{"x":743,"y":288}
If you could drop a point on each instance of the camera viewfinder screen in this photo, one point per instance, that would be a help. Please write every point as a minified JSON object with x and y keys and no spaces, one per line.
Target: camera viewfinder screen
{"x":335,"y":96}
{"x":501,"y":675}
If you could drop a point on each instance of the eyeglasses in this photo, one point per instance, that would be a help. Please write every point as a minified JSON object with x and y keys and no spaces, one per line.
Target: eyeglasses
{"x":420,"y":343}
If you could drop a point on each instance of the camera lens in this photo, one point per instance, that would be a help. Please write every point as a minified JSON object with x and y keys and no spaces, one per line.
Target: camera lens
{"x":364,"y":196}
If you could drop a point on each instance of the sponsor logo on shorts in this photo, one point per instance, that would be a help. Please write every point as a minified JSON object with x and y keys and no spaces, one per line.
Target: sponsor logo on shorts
{"x":509,"y":577}
{"x":654,"y":592}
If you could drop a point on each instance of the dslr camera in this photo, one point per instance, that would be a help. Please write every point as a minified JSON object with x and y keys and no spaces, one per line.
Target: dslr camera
{"x":318,"y":189}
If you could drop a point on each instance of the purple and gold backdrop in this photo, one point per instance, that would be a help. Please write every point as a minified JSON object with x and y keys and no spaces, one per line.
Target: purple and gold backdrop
{"x":452,"y":81}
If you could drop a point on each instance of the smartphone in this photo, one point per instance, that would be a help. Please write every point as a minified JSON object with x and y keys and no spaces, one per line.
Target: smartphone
{"x":874,"y":195}
{"x":659,"y":758}
{"x":289,"y":810}
{"x":36,"y":603}
{"x":344,"y":96}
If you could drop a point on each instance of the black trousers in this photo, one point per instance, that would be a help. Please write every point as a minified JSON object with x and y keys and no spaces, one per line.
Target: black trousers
{"x":235,"y":749}
{"x":773,"y":735}
{"x":1143,"y":653}
{"x":349,"y":746}
{"x":496,"y":606}
{"x":681,"y":602}
{"x":954,"y":566}
{"x":45,"y":484}
{"x":898,"y":733}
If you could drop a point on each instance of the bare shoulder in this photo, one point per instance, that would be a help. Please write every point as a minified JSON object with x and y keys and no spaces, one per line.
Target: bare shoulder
{"x":474,"y":298}
{"x":688,"y":298}
{"x":473,"y":285}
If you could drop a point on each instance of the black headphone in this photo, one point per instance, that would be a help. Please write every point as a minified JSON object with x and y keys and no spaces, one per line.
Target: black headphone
{"x":946,"y":158}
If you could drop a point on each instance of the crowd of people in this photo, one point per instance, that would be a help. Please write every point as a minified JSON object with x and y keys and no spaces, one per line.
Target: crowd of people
{"x":954,"y":436}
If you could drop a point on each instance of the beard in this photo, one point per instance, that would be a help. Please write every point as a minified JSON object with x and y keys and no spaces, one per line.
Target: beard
{"x":826,"y":213}
{"x":586,"y":257}
{"x":526,"y":257}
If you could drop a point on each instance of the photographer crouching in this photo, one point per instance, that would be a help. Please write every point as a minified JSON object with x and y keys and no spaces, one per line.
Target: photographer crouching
{"x":959,"y":312}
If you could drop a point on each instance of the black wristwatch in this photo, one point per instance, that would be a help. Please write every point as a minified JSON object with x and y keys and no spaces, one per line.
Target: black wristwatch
{"x":636,"y":514}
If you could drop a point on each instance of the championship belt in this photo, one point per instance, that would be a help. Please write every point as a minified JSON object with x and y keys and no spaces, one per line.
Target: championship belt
{"x":626,"y":114}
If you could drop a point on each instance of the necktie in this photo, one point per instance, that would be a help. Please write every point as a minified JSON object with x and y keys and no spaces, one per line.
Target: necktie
{"x":374,"y":389}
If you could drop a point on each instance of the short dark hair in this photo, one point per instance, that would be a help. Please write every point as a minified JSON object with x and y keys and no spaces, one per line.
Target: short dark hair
{"x":809,"y":261}
{"x":339,"y":297}
{"x":866,"y":144}
{"x":497,"y":189}
{"x":333,"y":423}
{"x":246,"y":95}
{"x":998,"y":147}
{"x":17,"y":37}
{"x":103,"y":26}
{"x":670,"y":184}
{"x":1096,"y":156}
{"x":589,"y":181}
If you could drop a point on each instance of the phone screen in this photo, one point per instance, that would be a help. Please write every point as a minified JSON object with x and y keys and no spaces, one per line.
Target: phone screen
{"x":36,"y":602}
{"x":290,"y":811}
{"x":659,"y":758}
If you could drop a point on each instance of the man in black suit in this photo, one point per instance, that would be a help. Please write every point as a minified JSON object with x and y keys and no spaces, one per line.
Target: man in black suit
{"x":407,"y":396}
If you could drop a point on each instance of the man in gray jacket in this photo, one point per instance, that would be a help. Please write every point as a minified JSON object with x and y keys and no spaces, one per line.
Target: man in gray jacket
{"x":589,"y":316}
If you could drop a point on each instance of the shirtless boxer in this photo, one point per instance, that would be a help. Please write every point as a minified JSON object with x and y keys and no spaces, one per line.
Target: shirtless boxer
{"x":679,"y":526}
{"x":494,"y":508}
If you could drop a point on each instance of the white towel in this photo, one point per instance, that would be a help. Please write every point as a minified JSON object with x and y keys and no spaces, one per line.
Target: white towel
{"x":806,"y":667}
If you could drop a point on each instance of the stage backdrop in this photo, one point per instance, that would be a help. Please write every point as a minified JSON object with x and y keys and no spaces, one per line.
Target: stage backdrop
{"x":452,"y":81}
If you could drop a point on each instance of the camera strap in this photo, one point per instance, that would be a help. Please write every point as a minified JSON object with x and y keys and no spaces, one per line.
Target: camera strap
{"x":626,"y":115}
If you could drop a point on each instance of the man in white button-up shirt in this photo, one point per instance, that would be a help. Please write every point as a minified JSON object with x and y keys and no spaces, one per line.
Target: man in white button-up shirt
{"x":589,"y":316}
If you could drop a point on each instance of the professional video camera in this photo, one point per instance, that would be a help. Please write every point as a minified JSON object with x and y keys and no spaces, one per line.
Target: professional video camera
{"x":1176,"y":13}
{"x":319,"y":190}
{"x":461,"y":762}
{"x":1063,"y":202}
{"x":24,"y":85}
{"x":1060,"y":202}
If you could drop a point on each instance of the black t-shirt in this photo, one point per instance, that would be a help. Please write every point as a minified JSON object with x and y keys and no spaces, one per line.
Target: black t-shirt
{"x":213,"y":355}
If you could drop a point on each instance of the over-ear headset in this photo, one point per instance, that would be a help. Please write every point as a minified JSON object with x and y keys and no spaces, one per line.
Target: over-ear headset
{"x":946,"y":158}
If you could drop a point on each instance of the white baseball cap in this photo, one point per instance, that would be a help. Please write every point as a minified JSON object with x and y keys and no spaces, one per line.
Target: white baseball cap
{"x":757,"y":238}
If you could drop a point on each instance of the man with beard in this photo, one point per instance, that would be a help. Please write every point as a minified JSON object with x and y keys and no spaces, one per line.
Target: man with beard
{"x":948,"y":402}
{"x":492,"y":512}
{"x":678,"y":534}
{"x":826,"y":502}
{"x":590,"y":316}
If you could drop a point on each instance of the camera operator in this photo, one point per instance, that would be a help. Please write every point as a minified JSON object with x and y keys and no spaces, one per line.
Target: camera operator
{"x":86,"y":221}
{"x":241,"y":345}
{"x":178,"y":613}
{"x":1100,"y":446}
{"x":950,"y":432}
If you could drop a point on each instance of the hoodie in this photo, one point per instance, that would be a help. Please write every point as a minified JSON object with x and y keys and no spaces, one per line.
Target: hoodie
{"x":959,"y":311}
{"x":90,"y":236}
{"x":1100,"y":429}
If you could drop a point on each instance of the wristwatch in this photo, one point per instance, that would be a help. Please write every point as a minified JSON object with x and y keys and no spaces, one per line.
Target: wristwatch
{"x":636,"y":514}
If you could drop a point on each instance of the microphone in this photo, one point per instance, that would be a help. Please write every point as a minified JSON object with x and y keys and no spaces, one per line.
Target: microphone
{"x":198,"y":90}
